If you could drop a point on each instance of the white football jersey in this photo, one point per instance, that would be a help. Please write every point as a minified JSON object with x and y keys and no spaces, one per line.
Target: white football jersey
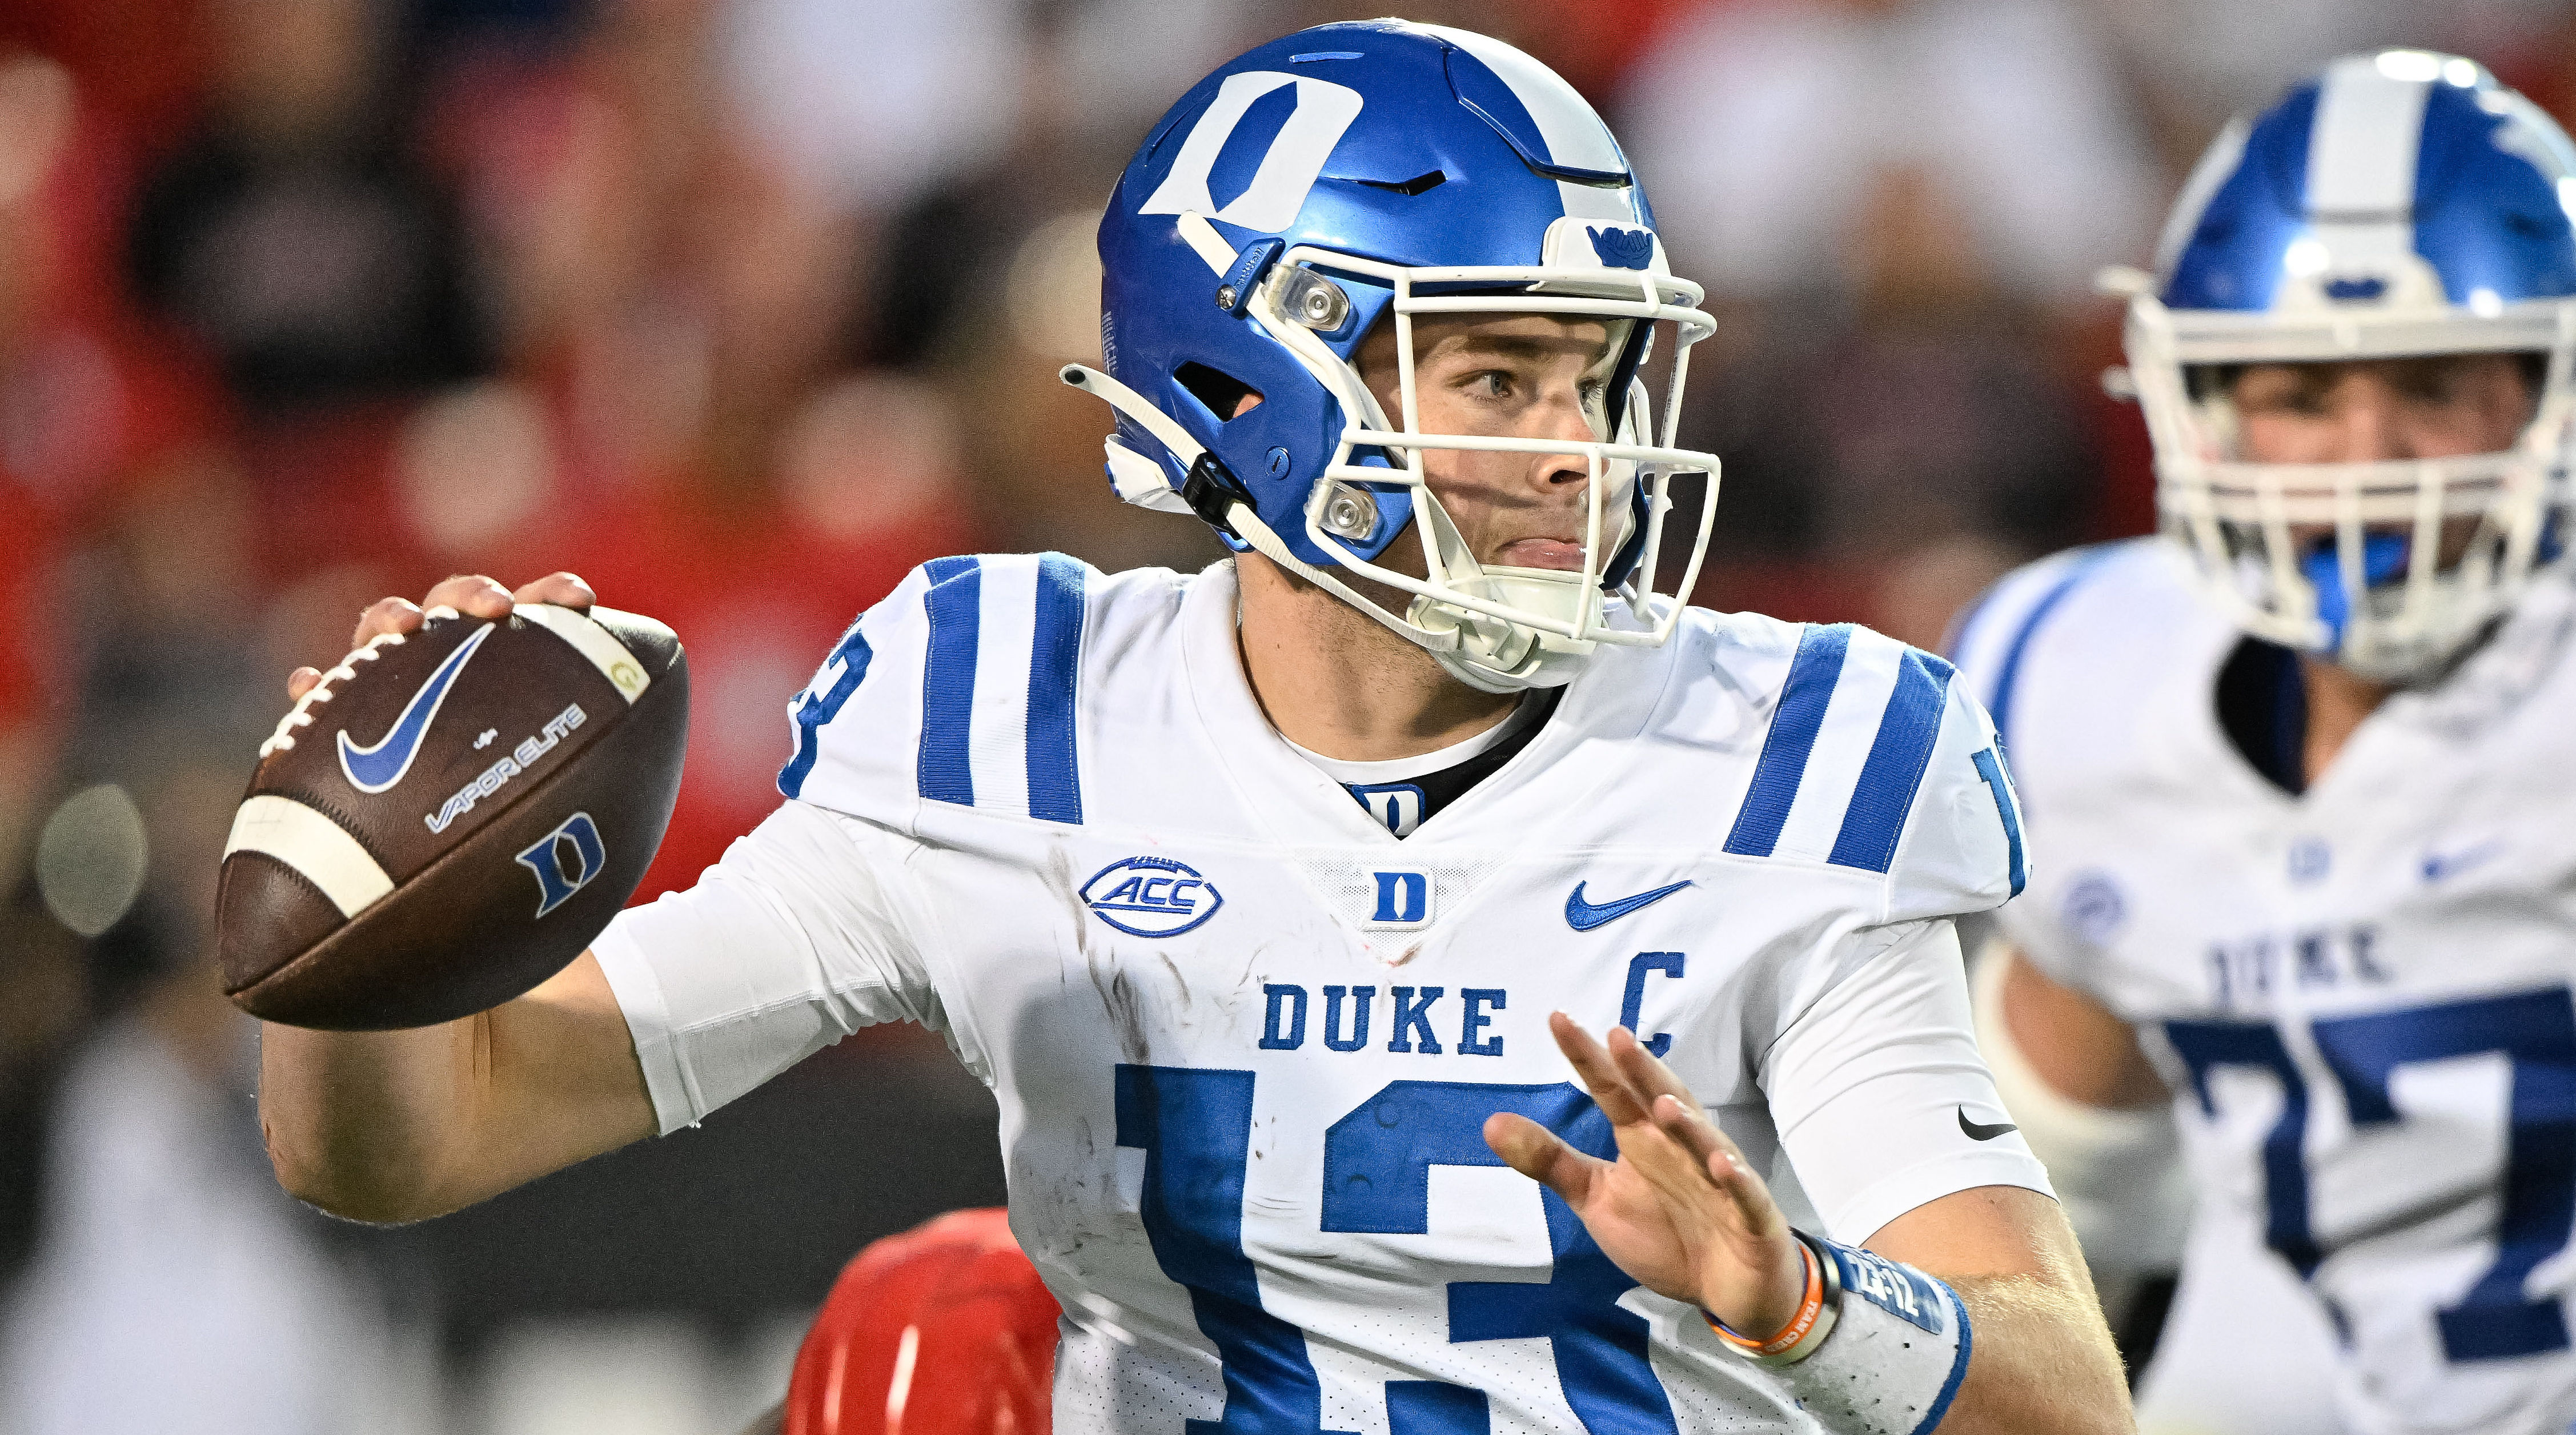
{"x":1245,"y":1039}
{"x":2359,"y":995}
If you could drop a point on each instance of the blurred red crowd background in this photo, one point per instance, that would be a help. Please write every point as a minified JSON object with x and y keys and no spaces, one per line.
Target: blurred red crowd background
{"x":739,"y":308}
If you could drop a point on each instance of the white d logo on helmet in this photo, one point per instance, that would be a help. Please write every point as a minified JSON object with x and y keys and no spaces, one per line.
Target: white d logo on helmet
{"x":1296,"y":156}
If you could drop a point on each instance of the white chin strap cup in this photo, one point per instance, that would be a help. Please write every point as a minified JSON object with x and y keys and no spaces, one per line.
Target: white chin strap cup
{"x":1500,"y":657}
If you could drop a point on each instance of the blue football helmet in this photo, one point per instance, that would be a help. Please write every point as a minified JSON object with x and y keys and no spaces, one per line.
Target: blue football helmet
{"x":2402,"y":204}
{"x":1355,"y":174}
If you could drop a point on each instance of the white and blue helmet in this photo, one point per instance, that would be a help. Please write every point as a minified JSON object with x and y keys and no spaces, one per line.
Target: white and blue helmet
{"x":1383,"y":170}
{"x":2402,"y":204}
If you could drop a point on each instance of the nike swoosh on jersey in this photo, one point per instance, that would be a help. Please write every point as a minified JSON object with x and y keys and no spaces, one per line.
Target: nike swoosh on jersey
{"x":373,"y":769}
{"x":2438,"y":865}
{"x":1583,"y":916}
{"x":1979,"y":1131}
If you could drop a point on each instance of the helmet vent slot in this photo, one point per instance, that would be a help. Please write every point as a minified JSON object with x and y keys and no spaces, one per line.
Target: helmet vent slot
{"x":1223,"y":393}
{"x":1420,"y":184}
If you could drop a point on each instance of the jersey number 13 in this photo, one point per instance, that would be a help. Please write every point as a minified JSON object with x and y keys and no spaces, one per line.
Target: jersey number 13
{"x":1195,"y":1128}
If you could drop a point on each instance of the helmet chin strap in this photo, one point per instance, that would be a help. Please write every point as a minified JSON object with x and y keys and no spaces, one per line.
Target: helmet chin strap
{"x":1497,"y":657}
{"x":1486,"y":653}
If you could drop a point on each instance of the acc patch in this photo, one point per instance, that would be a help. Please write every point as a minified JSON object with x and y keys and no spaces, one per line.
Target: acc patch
{"x":2095,"y":908}
{"x":1151,"y":896}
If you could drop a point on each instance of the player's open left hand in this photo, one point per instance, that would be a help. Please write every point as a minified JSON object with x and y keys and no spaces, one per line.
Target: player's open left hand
{"x":471,"y":594}
{"x":1679,"y":1210}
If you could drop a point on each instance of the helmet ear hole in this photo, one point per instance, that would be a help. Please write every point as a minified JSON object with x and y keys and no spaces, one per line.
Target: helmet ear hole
{"x":1225,"y":395}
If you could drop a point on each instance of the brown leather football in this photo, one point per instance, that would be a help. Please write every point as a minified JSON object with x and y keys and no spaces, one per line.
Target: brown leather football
{"x":451,"y":816}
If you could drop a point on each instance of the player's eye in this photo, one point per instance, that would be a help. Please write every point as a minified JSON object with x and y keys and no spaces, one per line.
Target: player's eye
{"x":2434,"y":384}
{"x":2303,"y":399}
{"x":1491,"y":384}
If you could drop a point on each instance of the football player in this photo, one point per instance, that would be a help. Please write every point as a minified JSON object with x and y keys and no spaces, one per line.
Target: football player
{"x":1274,"y":901}
{"x":2299,"y":769}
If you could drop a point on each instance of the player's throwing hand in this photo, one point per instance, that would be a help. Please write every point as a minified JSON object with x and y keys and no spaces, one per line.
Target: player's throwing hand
{"x":1679,"y":1210}
{"x":471,"y":594}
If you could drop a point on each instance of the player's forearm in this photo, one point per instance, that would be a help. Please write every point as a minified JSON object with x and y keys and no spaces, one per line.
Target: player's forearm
{"x":366,"y":1125}
{"x":2040,"y":1358}
{"x":404,"y":1125}
{"x":2042,"y":1362}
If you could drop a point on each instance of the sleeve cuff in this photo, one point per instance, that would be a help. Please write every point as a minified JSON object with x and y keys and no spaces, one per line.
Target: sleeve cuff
{"x":1861,"y":1217}
{"x":648,"y":1022}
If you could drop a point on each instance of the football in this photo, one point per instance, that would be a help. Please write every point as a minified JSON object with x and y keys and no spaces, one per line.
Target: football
{"x":450,"y":816}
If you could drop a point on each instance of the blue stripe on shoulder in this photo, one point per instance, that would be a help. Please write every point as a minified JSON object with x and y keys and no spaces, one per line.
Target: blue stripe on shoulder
{"x":1893,"y":771}
{"x":1055,"y":653}
{"x":1990,"y":767}
{"x":1783,"y":763}
{"x":955,"y":604}
{"x":2008,"y":672}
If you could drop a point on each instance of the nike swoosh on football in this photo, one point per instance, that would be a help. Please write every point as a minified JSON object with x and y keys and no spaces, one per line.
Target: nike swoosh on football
{"x":1583,"y":916}
{"x":1979,"y":1131}
{"x":373,"y":769}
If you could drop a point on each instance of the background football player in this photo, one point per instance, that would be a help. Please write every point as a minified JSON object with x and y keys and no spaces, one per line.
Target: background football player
{"x":1262,"y":897}
{"x":2299,"y":773}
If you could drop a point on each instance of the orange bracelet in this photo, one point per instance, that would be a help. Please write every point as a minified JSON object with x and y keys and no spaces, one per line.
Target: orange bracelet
{"x":1788,"y":1336}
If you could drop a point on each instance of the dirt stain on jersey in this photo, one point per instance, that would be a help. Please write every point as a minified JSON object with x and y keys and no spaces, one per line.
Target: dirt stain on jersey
{"x":1118,"y":998}
{"x":1117,"y":994}
{"x":1059,"y":877}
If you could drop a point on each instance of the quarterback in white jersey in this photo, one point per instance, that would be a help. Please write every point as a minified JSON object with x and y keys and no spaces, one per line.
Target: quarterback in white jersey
{"x":1274,"y":902}
{"x":2299,"y":775}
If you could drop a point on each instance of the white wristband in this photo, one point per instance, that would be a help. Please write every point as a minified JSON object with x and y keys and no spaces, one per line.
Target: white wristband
{"x":1895,"y":1355}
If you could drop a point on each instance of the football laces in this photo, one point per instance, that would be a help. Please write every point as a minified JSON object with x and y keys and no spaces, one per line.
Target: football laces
{"x":301,"y":715}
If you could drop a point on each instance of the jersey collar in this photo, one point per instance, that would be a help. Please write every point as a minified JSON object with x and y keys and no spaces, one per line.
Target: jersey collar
{"x":1296,"y":800}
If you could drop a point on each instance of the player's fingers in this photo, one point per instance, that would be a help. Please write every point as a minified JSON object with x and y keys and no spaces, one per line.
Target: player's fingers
{"x":385,"y":615}
{"x":1751,"y":1196}
{"x":1687,"y":1122}
{"x":1679,"y":1121}
{"x":564,"y":590}
{"x":1542,"y":1155}
{"x":301,"y":681}
{"x":471,"y":593}
{"x":1724,"y":1165}
{"x":1675,"y":1159}
{"x":1644,"y":1071}
{"x":1722,"y":1160}
{"x":1600,"y":1077}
